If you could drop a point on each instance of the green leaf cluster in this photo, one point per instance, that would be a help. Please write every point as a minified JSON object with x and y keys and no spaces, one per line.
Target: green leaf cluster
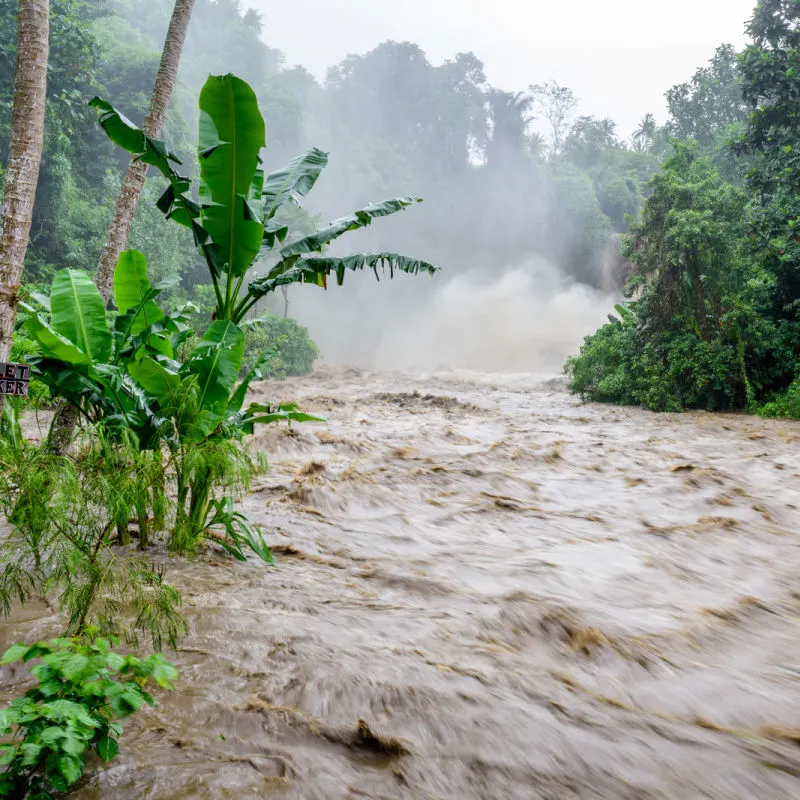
{"x":715,"y":311}
{"x":161,"y":419}
{"x":82,"y":690}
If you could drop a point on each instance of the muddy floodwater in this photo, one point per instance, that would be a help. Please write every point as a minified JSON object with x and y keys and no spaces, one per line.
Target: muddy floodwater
{"x":487,"y":589}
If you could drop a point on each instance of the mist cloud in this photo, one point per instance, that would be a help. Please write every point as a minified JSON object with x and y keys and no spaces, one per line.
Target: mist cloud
{"x":526,"y":318}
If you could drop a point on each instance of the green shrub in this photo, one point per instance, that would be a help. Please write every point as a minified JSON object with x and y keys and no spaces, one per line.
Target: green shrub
{"x":64,"y":514}
{"x":295,"y":351}
{"x":705,"y":330}
{"x":677,"y":369}
{"x":81,"y":690}
{"x":785,"y":406}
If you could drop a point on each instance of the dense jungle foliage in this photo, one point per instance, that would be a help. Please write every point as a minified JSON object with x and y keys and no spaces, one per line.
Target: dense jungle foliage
{"x":713,"y":319}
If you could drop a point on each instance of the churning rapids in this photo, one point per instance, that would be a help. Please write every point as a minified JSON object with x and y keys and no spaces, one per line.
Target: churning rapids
{"x":487,"y":590}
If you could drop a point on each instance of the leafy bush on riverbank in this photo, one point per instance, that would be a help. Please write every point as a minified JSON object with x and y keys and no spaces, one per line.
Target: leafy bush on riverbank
{"x":82,"y":690}
{"x":292,"y":351}
{"x":714,"y":319}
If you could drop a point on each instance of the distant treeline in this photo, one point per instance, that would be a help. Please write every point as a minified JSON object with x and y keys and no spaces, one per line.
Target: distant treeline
{"x":497,"y":191}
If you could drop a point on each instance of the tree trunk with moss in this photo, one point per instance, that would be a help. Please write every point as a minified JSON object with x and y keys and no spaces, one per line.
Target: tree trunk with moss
{"x":24,"y":157}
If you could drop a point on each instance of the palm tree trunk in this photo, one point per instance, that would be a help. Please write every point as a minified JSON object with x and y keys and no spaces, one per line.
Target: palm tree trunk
{"x":66,"y":417}
{"x":134,"y":178}
{"x":25,"y":155}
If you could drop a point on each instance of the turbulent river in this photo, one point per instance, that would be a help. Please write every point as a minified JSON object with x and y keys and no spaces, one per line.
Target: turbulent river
{"x":487,"y":589}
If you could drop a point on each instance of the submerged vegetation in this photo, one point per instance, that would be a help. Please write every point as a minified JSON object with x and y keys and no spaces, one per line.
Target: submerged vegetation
{"x":82,"y":691}
{"x":713,"y":319}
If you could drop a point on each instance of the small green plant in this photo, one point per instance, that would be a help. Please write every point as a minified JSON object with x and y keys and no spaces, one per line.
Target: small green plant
{"x":82,"y":690}
{"x":63,"y":515}
{"x":783,"y":406}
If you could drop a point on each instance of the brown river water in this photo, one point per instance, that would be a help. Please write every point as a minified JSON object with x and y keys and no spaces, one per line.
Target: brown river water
{"x":487,"y":589}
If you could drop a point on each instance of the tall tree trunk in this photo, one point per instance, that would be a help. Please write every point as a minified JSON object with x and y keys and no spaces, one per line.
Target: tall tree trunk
{"x":67,"y":416}
{"x":24,"y":157}
{"x":134,"y":178}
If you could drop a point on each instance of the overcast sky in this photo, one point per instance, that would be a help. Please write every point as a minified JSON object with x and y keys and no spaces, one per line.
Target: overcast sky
{"x":618,"y":56}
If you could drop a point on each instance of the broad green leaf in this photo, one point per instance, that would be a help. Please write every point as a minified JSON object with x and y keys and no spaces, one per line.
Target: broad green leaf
{"x":297,"y":178}
{"x":175,"y":203}
{"x":107,"y":748}
{"x":63,"y":379}
{"x":31,"y":751}
{"x":70,"y":767}
{"x":153,"y":377}
{"x":216,"y":362}
{"x":14,"y":653}
{"x":110,"y":384}
{"x":119,"y":128}
{"x":67,"y":710}
{"x":52,"y":343}
{"x":52,"y":735}
{"x":315,"y":269}
{"x":132,"y":289}
{"x":42,"y":299}
{"x":7,"y":754}
{"x":273,"y":232}
{"x":161,"y":343}
{"x":74,"y":666}
{"x":164,"y":673}
{"x":129,"y":137}
{"x":57,"y":780}
{"x":231,"y":137}
{"x":78,"y":313}
{"x":358,"y":219}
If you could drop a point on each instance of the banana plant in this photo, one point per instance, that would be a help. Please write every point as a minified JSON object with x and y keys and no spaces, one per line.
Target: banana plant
{"x":121,"y":372}
{"x":236,"y":219}
{"x":85,"y":360}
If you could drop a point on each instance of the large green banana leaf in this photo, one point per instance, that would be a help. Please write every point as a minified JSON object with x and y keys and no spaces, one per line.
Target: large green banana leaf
{"x":133,"y":293}
{"x":296,"y":179}
{"x":153,"y":377}
{"x":358,"y":219}
{"x":175,"y":202}
{"x":216,"y":362}
{"x":231,"y":183}
{"x":129,"y":137}
{"x":53,"y":344}
{"x":63,"y":379}
{"x":315,"y":269}
{"x":78,"y":314}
